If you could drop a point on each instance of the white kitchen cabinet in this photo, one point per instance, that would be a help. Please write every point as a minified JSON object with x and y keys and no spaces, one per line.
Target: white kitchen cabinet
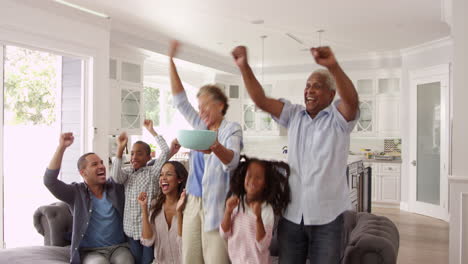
{"x":388,"y":115}
{"x":365,"y":125}
{"x":234,"y":112}
{"x":257,"y":122}
{"x":385,"y":183}
{"x":389,"y":188}
{"x":126,"y":92}
{"x":379,"y":104}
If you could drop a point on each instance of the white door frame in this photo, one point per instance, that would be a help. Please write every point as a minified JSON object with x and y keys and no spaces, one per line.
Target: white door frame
{"x":439,"y":73}
{"x":87,"y":131}
{"x":2,"y":222}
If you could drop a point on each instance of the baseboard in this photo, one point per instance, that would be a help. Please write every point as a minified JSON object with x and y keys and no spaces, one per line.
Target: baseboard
{"x":404,"y":206}
{"x":385,"y":205}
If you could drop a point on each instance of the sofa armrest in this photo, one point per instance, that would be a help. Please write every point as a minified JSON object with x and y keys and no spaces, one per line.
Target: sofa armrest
{"x":371,"y":239}
{"x":54,"y":222}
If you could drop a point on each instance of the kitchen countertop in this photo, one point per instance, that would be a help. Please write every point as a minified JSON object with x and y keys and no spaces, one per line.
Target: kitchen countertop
{"x":353,"y":158}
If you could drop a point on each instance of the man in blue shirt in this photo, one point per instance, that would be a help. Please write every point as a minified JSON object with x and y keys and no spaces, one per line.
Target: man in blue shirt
{"x":97,"y":208}
{"x":318,"y":144}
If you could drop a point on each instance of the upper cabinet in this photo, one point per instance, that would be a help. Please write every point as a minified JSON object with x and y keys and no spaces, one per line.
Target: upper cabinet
{"x":242,"y":110}
{"x":126,"y":83}
{"x":379,"y":101}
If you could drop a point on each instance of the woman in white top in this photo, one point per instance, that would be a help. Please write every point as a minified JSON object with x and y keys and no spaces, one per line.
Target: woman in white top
{"x":163,"y":226}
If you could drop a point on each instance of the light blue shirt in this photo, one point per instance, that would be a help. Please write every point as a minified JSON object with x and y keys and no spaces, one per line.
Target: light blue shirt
{"x":317,"y":154}
{"x":105,"y":226}
{"x":194,"y":185}
{"x":215,"y":179}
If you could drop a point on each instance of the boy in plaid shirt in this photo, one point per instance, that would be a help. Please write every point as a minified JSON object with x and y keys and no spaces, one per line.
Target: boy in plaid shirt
{"x":136,"y":179}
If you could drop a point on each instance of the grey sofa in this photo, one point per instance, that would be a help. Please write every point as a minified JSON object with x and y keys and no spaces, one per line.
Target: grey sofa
{"x":54,"y":222}
{"x":368,"y":239}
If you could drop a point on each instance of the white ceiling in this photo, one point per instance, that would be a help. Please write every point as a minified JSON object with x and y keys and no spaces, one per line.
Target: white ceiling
{"x":352,"y":27}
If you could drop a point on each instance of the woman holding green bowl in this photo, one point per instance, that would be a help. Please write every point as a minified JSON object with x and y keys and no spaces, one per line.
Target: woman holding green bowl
{"x":208,"y":180}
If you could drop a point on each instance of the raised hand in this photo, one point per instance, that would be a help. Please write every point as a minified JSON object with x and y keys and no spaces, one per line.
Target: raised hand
{"x":181,"y":203}
{"x":324,"y":56}
{"x":148,"y":124}
{"x":173,"y":48}
{"x":231,"y":203}
{"x":66,"y":139}
{"x":257,"y":208}
{"x":122,"y":140}
{"x":175,"y":147}
{"x":143,"y":199}
{"x":240,"y":56}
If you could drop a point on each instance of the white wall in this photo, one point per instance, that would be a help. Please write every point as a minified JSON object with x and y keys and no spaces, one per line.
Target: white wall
{"x":459,"y":178}
{"x":71,"y":116}
{"x":416,"y":58}
{"x":48,"y":26}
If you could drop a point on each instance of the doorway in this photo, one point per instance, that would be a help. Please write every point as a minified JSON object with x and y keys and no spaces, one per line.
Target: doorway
{"x":41,"y":97}
{"x":429,"y":137}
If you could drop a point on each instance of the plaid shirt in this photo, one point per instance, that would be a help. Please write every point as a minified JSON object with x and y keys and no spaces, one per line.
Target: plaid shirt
{"x":145,"y":179}
{"x":215,"y":182}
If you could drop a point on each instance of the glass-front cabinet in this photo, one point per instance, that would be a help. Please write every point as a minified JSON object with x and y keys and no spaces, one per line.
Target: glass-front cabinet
{"x":131,"y":109}
{"x":126,"y":91}
{"x":379,"y":105}
{"x":366,"y":120}
{"x":257,"y":122}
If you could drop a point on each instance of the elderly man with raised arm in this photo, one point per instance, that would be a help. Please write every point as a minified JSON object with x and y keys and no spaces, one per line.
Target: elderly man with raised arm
{"x":318,"y":144}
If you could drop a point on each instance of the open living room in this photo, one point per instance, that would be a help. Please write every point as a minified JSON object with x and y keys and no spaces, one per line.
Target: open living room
{"x":368,"y":94}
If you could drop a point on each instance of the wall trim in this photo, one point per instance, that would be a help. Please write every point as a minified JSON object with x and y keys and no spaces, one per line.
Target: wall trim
{"x":446,"y":41}
{"x":404,"y":206}
{"x":455,"y":178}
{"x":57,"y":9}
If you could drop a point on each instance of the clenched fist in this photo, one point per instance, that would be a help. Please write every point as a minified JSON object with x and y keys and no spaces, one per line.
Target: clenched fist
{"x":324,"y":56}
{"x":232,"y":203}
{"x":122,"y":140}
{"x":240,"y":56}
{"x":66,"y":139}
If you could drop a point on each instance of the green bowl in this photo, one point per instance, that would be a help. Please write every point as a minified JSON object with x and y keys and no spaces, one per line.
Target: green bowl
{"x":196,"y":139}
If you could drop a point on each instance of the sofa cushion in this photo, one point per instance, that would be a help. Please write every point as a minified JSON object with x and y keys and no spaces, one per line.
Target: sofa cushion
{"x":36,"y":255}
{"x":374,"y":239}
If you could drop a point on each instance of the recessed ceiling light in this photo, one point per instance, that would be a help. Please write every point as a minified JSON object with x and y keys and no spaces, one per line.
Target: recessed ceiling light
{"x":84,"y":9}
{"x":257,"y":21}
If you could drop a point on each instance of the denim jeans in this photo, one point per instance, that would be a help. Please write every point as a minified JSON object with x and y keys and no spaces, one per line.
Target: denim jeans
{"x":321,"y":244}
{"x":142,"y":254}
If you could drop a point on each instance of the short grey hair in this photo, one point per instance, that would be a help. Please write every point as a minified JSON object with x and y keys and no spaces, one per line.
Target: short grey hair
{"x":329,"y":79}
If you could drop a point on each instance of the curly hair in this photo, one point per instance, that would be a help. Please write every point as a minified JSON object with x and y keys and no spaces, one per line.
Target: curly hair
{"x":276,"y":192}
{"x":182,"y":174}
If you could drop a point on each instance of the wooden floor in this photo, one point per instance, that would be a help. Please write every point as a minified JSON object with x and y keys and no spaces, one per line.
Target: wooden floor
{"x":422,"y":239}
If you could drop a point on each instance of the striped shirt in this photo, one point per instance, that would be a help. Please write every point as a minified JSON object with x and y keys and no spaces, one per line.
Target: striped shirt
{"x":145,"y":179}
{"x":215,"y":180}
{"x":243,"y":247}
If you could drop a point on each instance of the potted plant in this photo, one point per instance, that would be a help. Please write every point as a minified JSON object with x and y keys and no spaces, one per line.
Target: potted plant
{"x":153,"y":150}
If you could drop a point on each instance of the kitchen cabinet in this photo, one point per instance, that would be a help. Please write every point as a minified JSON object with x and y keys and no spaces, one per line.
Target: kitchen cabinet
{"x":126,"y":95}
{"x":257,"y":122}
{"x":365,"y":124}
{"x":388,"y":115}
{"x":385,"y":183}
{"x":379,"y":102}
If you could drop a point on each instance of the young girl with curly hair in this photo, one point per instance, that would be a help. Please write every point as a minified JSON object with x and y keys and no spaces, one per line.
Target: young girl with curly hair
{"x":259,"y":189}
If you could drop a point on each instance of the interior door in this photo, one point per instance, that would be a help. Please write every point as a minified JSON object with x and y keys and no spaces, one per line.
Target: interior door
{"x":429,"y":142}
